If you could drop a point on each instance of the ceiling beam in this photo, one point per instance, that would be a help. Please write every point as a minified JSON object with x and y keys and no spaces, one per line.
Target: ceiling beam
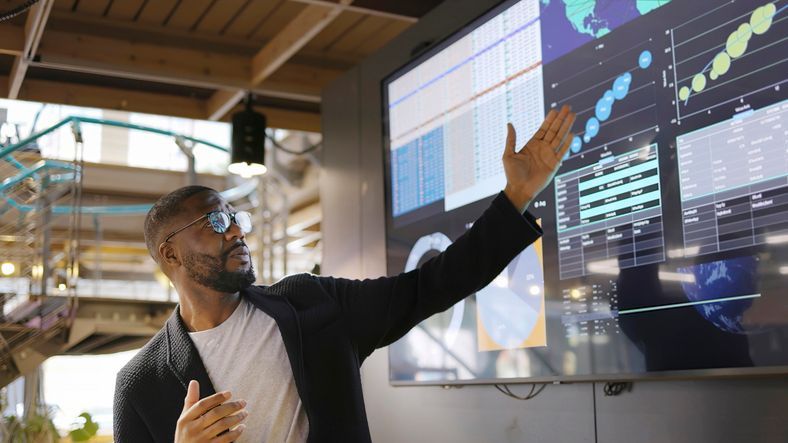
{"x":295,"y":35}
{"x":176,"y":65}
{"x":71,"y":23}
{"x":12,"y":39}
{"x":36,"y":20}
{"x":220,"y":103}
{"x":287,"y":119}
{"x":150,"y":103}
{"x":300,"y":31}
{"x":111,"y":98}
{"x":361,"y":10}
{"x":142,"y":60}
{"x":287,"y":89}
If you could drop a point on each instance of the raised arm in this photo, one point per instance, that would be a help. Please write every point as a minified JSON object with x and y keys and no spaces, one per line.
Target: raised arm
{"x":380,"y":311}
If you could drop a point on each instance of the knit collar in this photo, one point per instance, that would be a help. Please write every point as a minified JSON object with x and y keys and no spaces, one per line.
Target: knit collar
{"x":183,"y":357}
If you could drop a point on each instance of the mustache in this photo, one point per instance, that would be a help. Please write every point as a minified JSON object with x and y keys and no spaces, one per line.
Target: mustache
{"x":236,"y":245}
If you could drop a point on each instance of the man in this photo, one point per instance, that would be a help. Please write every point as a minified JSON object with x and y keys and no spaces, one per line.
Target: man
{"x":289,"y":354}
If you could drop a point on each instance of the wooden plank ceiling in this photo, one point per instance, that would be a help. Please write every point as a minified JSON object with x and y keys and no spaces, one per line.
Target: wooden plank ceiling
{"x":194,"y":58}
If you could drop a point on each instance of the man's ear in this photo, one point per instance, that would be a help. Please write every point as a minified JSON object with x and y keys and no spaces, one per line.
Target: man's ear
{"x":168,"y":254}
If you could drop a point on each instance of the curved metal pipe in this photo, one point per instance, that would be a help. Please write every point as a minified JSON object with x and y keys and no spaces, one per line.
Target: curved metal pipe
{"x":230,"y":194}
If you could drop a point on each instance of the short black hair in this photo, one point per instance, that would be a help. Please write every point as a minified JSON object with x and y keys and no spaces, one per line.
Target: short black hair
{"x":162,"y":211}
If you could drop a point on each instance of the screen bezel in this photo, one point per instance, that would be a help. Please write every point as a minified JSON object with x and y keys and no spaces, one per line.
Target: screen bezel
{"x":688,"y":374}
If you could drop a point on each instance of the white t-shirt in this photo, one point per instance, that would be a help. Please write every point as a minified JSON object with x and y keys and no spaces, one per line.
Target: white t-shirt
{"x":246,"y":356}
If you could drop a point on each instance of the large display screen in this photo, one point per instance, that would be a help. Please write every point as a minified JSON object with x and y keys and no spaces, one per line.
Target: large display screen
{"x":665,"y":247}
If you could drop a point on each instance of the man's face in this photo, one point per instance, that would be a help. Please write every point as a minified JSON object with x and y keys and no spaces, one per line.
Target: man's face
{"x":218,"y":261}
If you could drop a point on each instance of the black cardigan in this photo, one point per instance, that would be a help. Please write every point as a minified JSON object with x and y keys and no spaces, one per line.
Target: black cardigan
{"x":329,"y":326}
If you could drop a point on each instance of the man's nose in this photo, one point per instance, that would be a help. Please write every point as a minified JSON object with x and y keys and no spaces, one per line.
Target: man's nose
{"x":234,"y":231}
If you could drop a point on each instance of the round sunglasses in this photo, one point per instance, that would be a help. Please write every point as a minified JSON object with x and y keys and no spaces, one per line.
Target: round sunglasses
{"x":220,"y":222}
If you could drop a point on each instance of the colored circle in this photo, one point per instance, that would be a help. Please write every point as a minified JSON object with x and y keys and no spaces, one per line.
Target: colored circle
{"x":645,"y":59}
{"x":698,"y":82}
{"x":592,"y":127}
{"x":713,"y":75}
{"x":684,"y":93}
{"x":627,"y":78}
{"x":761,"y":18}
{"x":620,"y":87}
{"x":439,"y":242}
{"x":736,"y":45}
{"x":510,"y":308}
{"x":586,"y":138}
{"x":603,"y":109}
{"x":721,"y":64}
{"x":745,"y":31}
{"x":576,"y":145}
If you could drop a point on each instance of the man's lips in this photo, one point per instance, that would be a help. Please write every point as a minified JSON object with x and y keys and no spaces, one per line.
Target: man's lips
{"x":239,"y":250}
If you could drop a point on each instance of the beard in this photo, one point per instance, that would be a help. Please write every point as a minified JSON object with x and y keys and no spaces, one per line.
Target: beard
{"x":212,"y":272}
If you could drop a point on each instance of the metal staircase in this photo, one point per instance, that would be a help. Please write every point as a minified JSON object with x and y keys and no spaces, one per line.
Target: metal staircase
{"x":40,"y":229}
{"x":36,"y":195}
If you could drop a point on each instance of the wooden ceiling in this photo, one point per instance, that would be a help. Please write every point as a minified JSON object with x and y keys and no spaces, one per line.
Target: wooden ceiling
{"x":194,"y":58}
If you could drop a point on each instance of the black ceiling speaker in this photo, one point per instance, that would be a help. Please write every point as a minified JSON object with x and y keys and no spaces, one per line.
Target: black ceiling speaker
{"x":248,"y":150}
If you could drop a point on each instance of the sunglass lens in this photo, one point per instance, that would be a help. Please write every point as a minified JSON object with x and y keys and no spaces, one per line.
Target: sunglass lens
{"x":219,"y":221}
{"x":244,"y":220}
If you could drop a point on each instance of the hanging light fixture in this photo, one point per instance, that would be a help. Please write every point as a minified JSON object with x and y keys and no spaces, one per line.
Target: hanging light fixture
{"x":247,"y":158}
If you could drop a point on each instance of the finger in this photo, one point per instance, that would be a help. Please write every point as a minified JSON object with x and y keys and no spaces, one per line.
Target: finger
{"x":556,"y":123}
{"x":225,"y":424}
{"x":511,"y":140}
{"x":564,"y":147}
{"x":564,"y":129}
{"x":230,"y":436}
{"x":205,"y":405}
{"x":192,"y":394}
{"x":540,"y":133}
{"x":220,"y":412}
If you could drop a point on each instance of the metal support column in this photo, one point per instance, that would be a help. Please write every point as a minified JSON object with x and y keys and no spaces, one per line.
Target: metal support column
{"x":272,"y":215}
{"x":187,"y":147}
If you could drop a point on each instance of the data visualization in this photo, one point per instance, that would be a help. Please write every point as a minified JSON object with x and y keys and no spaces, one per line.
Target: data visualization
{"x":609,"y":214}
{"x":448,"y":116}
{"x":664,"y":247}
{"x":612,"y":97}
{"x":727,"y":54}
{"x":603,"y":109}
{"x":590,"y":309}
{"x":511,"y":310}
{"x":734,"y":181}
{"x":571,"y":23}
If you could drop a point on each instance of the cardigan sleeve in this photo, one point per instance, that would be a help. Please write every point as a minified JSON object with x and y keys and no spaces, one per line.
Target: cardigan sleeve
{"x":380,"y":311}
{"x":127,"y":424}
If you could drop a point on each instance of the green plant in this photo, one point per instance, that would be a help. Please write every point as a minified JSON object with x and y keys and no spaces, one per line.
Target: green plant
{"x":87,"y":431}
{"x":37,"y":428}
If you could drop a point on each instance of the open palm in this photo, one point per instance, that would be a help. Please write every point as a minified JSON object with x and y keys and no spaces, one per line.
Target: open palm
{"x":531,"y":169}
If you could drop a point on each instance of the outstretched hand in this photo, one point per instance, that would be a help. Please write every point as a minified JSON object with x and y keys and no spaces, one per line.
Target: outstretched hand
{"x":531,"y":169}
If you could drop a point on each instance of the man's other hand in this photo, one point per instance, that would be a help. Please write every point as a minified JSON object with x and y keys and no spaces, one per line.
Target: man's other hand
{"x":211,"y":419}
{"x":530,"y":169}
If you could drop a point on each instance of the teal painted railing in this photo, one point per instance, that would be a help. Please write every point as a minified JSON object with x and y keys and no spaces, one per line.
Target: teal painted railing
{"x":71,"y":171}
